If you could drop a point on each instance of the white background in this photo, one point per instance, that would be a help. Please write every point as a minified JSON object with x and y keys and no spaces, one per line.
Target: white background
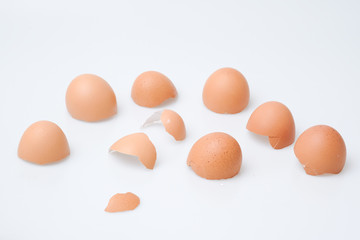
{"x":305,"y":54}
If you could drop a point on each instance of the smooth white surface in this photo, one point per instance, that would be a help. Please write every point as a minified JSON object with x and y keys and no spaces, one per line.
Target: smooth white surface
{"x":305,"y":54}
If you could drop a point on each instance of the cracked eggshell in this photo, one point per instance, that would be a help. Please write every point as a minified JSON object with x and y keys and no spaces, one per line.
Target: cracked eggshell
{"x":321,"y":149}
{"x":90,"y":98}
{"x":172,"y":122}
{"x":226,"y":91}
{"x":42,"y":143}
{"x":122,"y":202}
{"x":139,"y":145}
{"x":151,"y":88}
{"x":215,"y":156}
{"x":273,"y":119}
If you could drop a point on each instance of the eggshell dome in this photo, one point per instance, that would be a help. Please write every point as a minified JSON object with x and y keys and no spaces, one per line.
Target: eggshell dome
{"x":90,"y":98}
{"x":151,"y":88}
{"x":42,"y":143}
{"x":321,"y":149}
{"x":215,"y":156}
{"x":226,"y":91}
{"x":273,"y":119}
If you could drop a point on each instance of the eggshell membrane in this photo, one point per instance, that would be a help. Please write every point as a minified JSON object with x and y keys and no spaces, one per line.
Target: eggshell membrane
{"x":273,"y":119}
{"x":151,"y":88}
{"x":137,"y":144}
{"x":321,"y":149}
{"x":122,"y":202}
{"x":226,"y":91}
{"x":43,"y":142}
{"x":173,"y":124}
{"x":90,"y":98}
{"x":215,"y":156}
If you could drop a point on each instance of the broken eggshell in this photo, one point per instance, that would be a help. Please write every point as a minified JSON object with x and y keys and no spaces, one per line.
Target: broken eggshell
{"x":121,"y":202}
{"x":172,"y":122}
{"x":273,"y":119}
{"x":42,"y":143}
{"x":139,"y":145}
{"x":321,"y":149}
{"x":152,"y":88}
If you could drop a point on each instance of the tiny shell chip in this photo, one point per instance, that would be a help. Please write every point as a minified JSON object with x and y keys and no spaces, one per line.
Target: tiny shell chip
{"x":42,"y":143}
{"x":90,"y":98}
{"x":226,"y":91}
{"x":151,"y":88}
{"x":215,"y":156}
{"x":273,"y":119}
{"x":121,"y":202}
{"x":321,"y":149}
{"x":172,"y":122}
{"x":137,"y":144}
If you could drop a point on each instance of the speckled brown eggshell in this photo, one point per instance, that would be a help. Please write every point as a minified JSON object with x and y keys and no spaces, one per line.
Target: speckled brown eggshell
{"x":321,"y":149}
{"x":215,"y":156}
{"x":152,"y":88}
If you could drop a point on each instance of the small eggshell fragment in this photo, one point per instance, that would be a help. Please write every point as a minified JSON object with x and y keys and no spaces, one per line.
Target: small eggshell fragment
{"x":273,"y":119}
{"x":151,"y":88}
{"x":90,"y":98}
{"x":42,"y":143}
{"x":321,"y":149}
{"x":226,"y":91}
{"x":215,"y":156}
{"x":137,"y":144}
{"x":172,"y":122}
{"x":121,"y":202}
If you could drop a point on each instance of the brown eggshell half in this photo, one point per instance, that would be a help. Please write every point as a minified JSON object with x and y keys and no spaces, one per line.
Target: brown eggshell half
{"x":42,"y":143}
{"x":226,"y":91}
{"x":321,"y":149}
{"x":151,"y":88}
{"x":139,"y":145}
{"x":90,"y":98}
{"x":215,"y":156}
{"x":121,"y":202}
{"x":172,"y":122}
{"x":273,"y":119}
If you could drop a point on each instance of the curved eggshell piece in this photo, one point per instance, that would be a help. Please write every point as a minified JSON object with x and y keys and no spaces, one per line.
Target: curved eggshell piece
{"x":137,"y":144}
{"x":215,"y":156}
{"x":173,"y":124}
{"x":273,"y":119}
{"x":122,"y":202}
{"x":152,"y":88}
{"x":90,"y":98}
{"x":42,"y":143}
{"x":321,"y":149}
{"x":226,"y":91}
